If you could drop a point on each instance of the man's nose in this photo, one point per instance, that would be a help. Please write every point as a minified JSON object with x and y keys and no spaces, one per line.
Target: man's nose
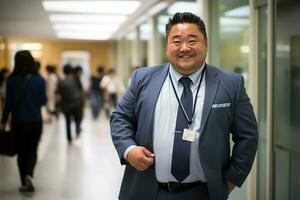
{"x":185,"y":46}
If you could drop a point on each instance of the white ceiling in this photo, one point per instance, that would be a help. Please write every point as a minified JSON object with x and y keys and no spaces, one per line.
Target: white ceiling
{"x":27,"y":19}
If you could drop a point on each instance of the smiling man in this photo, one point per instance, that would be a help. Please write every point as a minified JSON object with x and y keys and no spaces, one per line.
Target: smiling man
{"x":172,"y":127}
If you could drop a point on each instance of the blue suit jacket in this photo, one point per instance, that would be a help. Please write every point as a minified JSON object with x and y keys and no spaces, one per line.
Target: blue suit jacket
{"x":227,"y":109}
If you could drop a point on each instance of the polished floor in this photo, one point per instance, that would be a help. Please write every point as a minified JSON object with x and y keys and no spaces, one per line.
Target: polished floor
{"x":87,"y":169}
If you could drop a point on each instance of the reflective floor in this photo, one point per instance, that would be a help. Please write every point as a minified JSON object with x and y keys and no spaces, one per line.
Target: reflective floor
{"x":87,"y":169}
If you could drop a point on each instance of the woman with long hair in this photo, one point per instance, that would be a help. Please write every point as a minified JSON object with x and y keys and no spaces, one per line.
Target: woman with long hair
{"x":25,"y":95}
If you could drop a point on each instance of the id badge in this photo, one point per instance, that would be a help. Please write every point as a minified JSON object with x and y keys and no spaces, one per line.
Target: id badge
{"x":189,"y":135}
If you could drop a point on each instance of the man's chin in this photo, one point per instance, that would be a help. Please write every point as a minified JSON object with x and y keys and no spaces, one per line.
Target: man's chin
{"x":186,"y":70}
{"x":186,"y":66}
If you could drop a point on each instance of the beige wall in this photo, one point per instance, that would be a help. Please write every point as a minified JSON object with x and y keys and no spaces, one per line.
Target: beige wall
{"x":51,"y":51}
{"x":3,"y":53}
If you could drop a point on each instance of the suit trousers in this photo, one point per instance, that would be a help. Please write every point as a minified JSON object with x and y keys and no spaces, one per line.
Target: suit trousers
{"x":77,"y":115}
{"x":199,"y":192}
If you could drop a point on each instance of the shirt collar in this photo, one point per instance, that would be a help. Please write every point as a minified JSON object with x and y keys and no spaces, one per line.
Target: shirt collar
{"x":194,"y":77}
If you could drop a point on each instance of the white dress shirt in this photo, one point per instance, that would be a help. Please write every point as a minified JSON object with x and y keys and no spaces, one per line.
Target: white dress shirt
{"x":164,"y":127}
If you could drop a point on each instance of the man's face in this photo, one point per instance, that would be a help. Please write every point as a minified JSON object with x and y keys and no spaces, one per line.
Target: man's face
{"x":186,"y":48}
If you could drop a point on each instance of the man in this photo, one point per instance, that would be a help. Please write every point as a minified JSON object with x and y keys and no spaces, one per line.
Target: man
{"x":172,"y":126}
{"x":71,"y":101}
{"x":96,"y":92}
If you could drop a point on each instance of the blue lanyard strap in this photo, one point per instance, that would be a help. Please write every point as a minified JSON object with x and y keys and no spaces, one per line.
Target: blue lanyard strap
{"x":190,"y":121}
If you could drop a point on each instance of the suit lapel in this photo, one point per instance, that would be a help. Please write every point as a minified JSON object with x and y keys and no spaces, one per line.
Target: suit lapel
{"x":211,"y":83}
{"x":153,"y":91}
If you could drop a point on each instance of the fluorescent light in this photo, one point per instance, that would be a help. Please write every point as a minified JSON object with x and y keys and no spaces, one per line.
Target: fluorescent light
{"x":27,"y":46}
{"x":145,"y":28}
{"x":162,"y":28}
{"x":86,"y":18}
{"x":182,"y":6}
{"x":231,"y":21}
{"x":157,"y":8}
{"x":163,"y":19}
{"x":108,"y":7}
{"x":231,"y":29}
{"x":283,"y":48}
{"x":85,"y":27}
{"x":131,"y":36}
{"x":36,"y":54}
{"x":243,"y":11}
{"x":245,"y":49}
{"x":83,"y":35}
{"x":145,"y":31}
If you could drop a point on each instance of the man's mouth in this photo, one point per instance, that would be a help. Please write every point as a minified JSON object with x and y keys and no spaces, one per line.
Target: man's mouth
{"x":185,"y":56}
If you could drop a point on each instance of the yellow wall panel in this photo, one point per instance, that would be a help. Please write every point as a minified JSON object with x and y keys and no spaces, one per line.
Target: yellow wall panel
{"x":51,"y":51}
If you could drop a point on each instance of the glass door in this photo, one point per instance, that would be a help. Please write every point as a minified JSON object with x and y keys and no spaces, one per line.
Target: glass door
{"x":286,"y":101}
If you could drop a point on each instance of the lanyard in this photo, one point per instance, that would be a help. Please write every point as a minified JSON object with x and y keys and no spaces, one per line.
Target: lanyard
{"x":190,"y":121}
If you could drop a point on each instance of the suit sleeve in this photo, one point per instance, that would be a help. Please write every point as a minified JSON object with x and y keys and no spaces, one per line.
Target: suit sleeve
{"x":123,"y":120}
{"x":244,"y":135}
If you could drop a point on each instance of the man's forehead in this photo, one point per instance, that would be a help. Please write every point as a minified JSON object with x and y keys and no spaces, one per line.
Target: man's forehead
{"x":189,"y":29}
{"x":178,"y":35}
{"x":184,"y":26}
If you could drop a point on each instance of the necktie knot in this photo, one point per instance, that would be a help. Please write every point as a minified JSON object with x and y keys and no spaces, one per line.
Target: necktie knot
{"x":185,"y":81}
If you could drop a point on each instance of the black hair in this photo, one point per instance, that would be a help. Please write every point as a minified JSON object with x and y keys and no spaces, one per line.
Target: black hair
{"x":78,"y":69}
{"x":111,"y":71}
{"x":100,"y":69}
{"x":24,"y":63}
{"x":68,"y":69}
{"x":51,"y":69}
{"x":186,"y":17}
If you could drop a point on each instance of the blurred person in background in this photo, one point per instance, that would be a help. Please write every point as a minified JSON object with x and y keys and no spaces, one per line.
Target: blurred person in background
{"x":70,"y":101}
{"x":113,"y":88}
{"x":4,"y":73}
{"x":25,"y":95}
{"x":96,"y":92}
{"x":52,"y":81}
{"x":78,"y":71}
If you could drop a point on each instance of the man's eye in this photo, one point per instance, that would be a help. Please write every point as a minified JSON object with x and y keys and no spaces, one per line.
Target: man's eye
{"x":192,"y":41}
{"x":176,"y":42}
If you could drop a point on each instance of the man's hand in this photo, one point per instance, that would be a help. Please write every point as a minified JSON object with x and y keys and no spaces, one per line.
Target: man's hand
{"x":140,"y":158}
{"x":231,"y":186}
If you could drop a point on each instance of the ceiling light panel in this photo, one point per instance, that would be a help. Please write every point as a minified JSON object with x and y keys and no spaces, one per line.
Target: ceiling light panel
{"x":103,"y":7}
{"x":82,"y":35}
{"x":243,"y":11}
{"x":163,"y":19}
{"x":181,"y":6}
{"x":28,"y":46}
{"x":85,"y":27}
{"x":157,"y":8}
{"x":232,"y":21}
{"x":88,"y":18}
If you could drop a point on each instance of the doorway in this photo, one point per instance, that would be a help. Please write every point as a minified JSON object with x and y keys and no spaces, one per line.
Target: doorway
{"x":78,"y":58}
{"x":286,"y":101}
